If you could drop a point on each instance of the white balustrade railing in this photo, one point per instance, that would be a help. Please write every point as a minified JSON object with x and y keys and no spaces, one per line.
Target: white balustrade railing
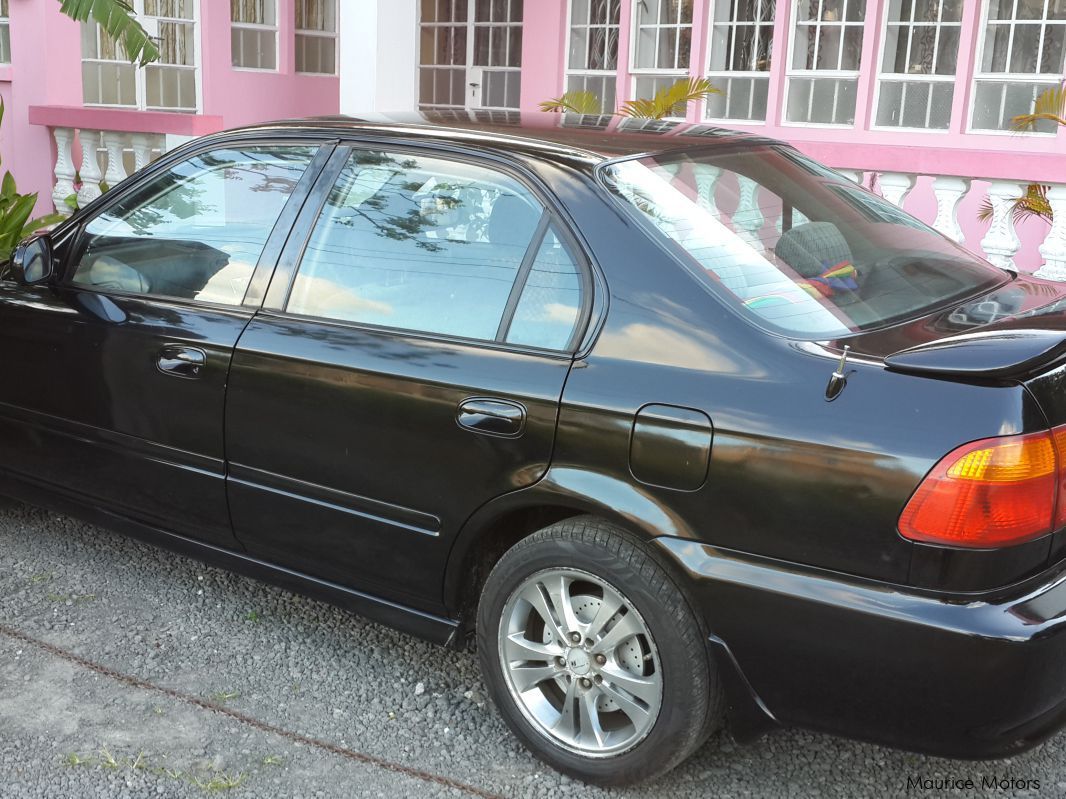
{"x":1002,"y":241}
{"x":107,"y":158}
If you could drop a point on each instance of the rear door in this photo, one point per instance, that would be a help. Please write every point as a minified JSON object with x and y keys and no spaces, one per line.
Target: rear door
{"x":406,"y":369}
{"x":117,"y":376}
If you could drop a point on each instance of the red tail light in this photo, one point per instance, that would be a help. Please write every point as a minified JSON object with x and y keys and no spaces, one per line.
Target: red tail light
{"x":992,"y":493}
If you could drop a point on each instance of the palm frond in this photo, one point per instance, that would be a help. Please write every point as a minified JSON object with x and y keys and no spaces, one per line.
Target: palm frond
{"x":1032,"y":204}
{"x":574,"y":103}
{"x":117,"y":19}
{"x":1049,"y":106}
{"x":669,"y":101}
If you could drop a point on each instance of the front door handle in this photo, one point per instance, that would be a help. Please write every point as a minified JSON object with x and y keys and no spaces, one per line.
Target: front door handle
{"x":181,"y":361}
{"x":492,"y":417}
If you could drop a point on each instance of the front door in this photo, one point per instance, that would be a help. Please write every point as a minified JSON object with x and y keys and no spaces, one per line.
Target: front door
{"x":408,"y":372}
{"x":117,"y":375}
{"x":470,"y":54}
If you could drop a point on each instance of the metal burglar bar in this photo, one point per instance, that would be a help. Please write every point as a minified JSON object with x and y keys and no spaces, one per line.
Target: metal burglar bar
{"x":918,"y":64}
{"x":1021,"y":57}
{"x":470,"y":54}
{"x":825,"y":63}
{"x":592,"y":60}
{"x":663,"y":48}
{"x":741,"y":50}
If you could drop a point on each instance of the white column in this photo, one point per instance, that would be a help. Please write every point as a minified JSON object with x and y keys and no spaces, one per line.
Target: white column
{"x":1053,"y":249}
{"x":379,"y":57}
{"x":64,"y":169}
{"x":853,"y":175}
{"x":142,"y":150}
{"x":949,"y":193}
{"x":90,"y":167}
{"x":895,"y":186}
{"x":115,"y":144}
{"x":748,"y":218}
{"x":1001,"y":243}
{"x":707,"y":177}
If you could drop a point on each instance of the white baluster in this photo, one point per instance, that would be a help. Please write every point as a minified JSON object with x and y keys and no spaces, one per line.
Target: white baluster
{"x":854,"y":175}
{"x":949,"y":193}
{"x":1001,"y":243}
{"x":895,"y":186}
{"x":748,"y":218}
{"x":115,"y":144}
{"x":142,"y":150}
{"x":90,"y":168}
{"x":707,"y":177}
{"x":64,"y":169}
{"x":1053,"y":249}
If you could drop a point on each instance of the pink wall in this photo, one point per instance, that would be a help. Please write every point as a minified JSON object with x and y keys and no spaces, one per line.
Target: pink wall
{"x":245,"y":97}
{"x":45,"y":63}
{"x":45,"y":76}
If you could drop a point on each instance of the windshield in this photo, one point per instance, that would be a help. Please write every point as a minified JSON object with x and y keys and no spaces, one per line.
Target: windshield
{"x":799,"y":248}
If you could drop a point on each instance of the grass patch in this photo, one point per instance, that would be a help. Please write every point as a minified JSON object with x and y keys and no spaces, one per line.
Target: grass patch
{"x":206,"y":780}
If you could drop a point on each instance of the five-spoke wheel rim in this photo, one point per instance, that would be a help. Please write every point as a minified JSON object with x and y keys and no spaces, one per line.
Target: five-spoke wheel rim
{"x":580,"y":662}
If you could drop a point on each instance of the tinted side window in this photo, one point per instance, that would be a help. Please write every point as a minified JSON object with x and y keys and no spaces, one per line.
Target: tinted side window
{"x":196,"y":231}
{"x":417,"y":243}
{"x":550,"y":305}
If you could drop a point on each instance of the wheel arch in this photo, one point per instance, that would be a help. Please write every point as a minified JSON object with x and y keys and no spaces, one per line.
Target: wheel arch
{"x":563,"y":493}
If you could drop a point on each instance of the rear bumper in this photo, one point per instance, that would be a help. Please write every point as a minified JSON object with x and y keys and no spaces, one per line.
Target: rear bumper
{"x":969,"y":677}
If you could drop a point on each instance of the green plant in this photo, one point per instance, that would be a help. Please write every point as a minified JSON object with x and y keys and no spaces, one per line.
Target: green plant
{"x":117,"y":19}
{"x":573,"y":103}
{"x":15,"y":211}
{"x":669,"y":101}
{"x":1050,"y":106}
{"x":1031,"y":204}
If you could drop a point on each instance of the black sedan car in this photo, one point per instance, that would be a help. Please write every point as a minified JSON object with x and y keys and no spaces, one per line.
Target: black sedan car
{"x":681,"y":427}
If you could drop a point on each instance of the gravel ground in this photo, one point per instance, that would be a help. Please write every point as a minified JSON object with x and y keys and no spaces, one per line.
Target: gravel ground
{"x":303,"y":668}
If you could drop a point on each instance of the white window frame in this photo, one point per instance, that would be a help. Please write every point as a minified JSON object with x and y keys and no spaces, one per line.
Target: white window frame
{"x":608,"y":74}
{"x":253,"y":26}
{"x":838,"y":74}
{"x":636,"y":73}
{"x":1005,"y":77}
{"x":151,"y":25}
{"x":317,"y":34}
{"x":726,"y":74}
{"x":474,"y":72}
{"x":5,"y":40}
{"x":897,"y":77}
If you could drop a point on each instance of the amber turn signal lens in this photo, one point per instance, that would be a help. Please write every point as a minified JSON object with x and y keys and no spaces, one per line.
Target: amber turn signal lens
{"x":991,"y":493}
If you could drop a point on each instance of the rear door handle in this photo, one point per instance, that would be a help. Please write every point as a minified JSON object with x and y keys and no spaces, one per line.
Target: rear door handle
{"x":181,"y":361}
{"x":492,"y":417}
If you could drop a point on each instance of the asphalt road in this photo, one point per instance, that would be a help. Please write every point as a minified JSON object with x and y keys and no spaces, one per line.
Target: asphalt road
{"x":127,"y":671}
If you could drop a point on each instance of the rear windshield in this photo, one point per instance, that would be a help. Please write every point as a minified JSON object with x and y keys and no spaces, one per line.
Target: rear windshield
{"x":800,"y":249}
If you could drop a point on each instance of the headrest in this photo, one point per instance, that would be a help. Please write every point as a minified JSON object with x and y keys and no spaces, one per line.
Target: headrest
{"x":814,"y":247}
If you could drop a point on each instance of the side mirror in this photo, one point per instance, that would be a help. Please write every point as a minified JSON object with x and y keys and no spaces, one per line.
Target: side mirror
{"x":33,"y":261}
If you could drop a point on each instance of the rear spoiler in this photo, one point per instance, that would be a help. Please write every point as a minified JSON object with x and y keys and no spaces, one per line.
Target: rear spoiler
{"x":987,"y":355}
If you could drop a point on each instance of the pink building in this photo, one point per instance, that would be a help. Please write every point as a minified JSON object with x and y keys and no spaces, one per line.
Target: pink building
{"x":913,"y":98}
{"x":69,"y":91}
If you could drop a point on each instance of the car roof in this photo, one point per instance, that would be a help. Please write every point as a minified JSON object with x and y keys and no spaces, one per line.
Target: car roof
{"x":581,"y":138}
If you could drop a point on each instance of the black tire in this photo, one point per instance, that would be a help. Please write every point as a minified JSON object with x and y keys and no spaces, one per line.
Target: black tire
{"x":691,"y":706}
